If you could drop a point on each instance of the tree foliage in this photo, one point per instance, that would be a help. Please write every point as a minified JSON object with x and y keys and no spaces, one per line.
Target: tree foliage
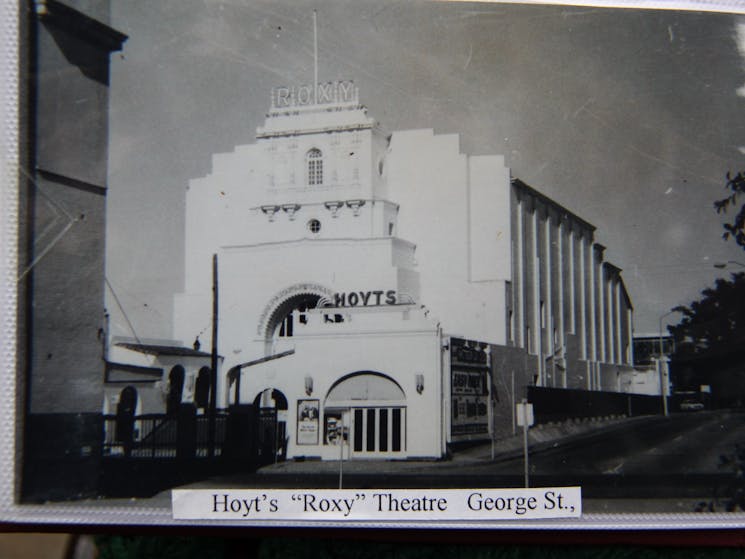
{"x":735,"y":229}
{"x":709,"y":341}
{"x":715,"y":324}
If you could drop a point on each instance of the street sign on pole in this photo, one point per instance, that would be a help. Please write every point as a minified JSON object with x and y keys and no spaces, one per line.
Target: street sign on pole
{"x":493,"y":427}
{"x":343,"y":434}
{"x":524,"y":414}
{"x":525,"y":419}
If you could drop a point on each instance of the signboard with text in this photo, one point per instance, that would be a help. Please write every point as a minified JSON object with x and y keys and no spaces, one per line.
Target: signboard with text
{"x":342,"y":92}
{"x":524,"y":414}
{"x":307,"y":422}
{"x":469,"y":375}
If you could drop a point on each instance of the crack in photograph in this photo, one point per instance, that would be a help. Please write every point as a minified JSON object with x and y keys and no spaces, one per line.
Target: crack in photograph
{"x":381,"y":244}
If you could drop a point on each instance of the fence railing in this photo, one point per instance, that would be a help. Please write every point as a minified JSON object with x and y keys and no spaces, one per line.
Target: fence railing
{"x":163,"y":436}
{"x":203,"y":435}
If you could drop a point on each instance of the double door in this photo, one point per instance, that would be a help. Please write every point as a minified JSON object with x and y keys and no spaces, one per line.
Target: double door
{"x":378,"y":431}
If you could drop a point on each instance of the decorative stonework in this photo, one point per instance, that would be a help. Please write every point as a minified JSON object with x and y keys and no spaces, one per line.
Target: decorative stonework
{"x":270,"y":211}
{"x":286,"y":293}
{"x":355,"y":205}
{"x":291,"y":210}
{"x":334,"y":207}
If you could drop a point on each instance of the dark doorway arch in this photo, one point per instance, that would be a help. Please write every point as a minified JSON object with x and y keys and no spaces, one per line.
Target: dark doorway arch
{"x":202,"y":388}
{"x":175,"y":389}
{"x":272,"y":425}
{"x":125,"y":417}
{"x":276,"y":397}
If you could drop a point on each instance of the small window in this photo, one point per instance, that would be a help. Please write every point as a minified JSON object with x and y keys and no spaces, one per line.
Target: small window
{"x":314,"y":159}
{"x":314,"y":226}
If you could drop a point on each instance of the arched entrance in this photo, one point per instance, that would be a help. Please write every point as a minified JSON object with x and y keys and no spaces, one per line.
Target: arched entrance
{"x":272,"y":425}
{"x":373,"y":407}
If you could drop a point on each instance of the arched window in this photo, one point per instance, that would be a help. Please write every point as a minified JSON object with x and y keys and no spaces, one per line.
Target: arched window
{"x":314,"y":159}
{"x":365,"y":386}
{"x":291,"y":315}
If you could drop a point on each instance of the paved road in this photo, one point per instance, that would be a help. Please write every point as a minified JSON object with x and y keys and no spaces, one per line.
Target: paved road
{"x":643,"y":458}
{"x":653,"y":457}
{"x":681,"y":444}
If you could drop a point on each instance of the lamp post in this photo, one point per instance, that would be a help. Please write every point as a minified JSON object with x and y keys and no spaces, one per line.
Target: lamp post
{"x":660,"y":330}
{"x":663,"y":379}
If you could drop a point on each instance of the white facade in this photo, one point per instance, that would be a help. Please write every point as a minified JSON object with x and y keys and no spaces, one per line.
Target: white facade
{"x":377,"y":195}
{"x":568,"y":306}
{"x":157,"y":372}
{"x":384,"y":361}
{"x":347,"y":255}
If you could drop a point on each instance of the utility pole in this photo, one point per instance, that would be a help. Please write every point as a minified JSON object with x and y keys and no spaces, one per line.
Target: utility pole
{"x":525,"y":442}
{"x":660,"y":361}
{"x":525,"y":419}
{"x":213,"y":363}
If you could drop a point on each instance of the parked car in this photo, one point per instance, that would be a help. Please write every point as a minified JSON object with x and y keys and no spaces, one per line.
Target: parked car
{"x":691,"y":405}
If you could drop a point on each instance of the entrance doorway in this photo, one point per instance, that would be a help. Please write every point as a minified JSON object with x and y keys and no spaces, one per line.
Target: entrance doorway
{"x":375,"y":407}
{"x":378,"y":430}
{"x":272,"y":425}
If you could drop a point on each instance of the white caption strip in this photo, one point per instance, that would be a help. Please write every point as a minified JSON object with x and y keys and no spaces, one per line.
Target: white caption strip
{"x":377,"y":504}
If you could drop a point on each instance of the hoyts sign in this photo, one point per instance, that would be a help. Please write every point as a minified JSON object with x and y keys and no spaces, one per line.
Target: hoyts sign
{"x":365,"y":298}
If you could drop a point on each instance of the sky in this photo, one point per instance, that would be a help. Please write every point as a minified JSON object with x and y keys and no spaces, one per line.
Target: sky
{"x":629,"y":118}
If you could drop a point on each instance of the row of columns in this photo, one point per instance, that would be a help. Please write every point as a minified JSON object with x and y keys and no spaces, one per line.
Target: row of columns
{"x":562,"y":286}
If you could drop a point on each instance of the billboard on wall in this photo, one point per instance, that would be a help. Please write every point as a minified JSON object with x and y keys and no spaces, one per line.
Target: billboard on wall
{"x":307,"y":422}
{"x":469,"y":392}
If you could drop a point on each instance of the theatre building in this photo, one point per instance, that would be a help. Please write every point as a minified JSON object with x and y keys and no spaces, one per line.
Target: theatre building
{"x":389,"y":285}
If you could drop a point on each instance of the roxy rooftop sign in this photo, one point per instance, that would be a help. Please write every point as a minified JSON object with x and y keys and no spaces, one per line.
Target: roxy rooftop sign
{"x":330,"y":93}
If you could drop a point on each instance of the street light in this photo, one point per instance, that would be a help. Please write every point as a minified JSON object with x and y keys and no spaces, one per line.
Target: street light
{"x":723,"y":265}
{"x":663,"y":382}
{"x":660,"y":330}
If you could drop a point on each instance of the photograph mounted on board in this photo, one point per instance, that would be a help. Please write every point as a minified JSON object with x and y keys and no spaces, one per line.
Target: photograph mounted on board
{"x":390,"y":245}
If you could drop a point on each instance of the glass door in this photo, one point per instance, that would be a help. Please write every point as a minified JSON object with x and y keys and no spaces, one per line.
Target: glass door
{"x":378,"y":431}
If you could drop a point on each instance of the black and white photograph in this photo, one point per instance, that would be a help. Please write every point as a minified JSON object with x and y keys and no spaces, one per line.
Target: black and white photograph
{"x":380,"y":245}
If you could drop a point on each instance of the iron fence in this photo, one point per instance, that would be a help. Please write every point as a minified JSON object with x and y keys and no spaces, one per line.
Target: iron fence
{"x":163,"y":436}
